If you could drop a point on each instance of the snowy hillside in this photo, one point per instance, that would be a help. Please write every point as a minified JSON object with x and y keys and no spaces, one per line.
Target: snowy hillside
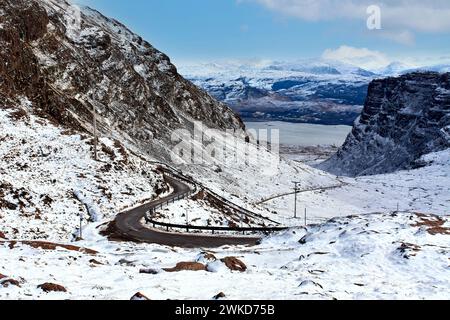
{"x":49,"y":178}
{"x":68,"y":60}
{"x":379,"y":256}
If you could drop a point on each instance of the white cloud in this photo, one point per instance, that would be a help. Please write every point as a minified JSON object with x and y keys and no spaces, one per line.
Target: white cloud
{"x":399,"y":17}
{"x":361,"y":57}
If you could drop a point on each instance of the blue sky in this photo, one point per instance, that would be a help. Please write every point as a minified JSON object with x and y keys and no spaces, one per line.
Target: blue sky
{"x":199,"y":30}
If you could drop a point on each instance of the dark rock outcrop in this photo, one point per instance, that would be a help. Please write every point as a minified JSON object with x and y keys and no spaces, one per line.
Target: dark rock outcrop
{"x":139,"y":297}
{"x":403,"y":119}
{"x":51,"y":287}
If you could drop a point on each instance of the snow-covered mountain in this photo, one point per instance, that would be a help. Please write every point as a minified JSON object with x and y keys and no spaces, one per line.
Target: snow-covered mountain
{"x":403,"y":119}
{"x":67,"y":60}
{"x":398,"y":68}
{"x":394,"y":69}
{"x":311,"y":91}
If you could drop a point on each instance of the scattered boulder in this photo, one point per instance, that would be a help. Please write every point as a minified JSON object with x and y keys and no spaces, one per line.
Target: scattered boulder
{"x":234,"y":264}
{"x":408,"y":250}
{"x":139,"y":297}
{"x":187,"y":266}
{"x":6,"y":282}
{"x":308,"y":237}
{"x":51,"y":287}
{"x":149,"y":271}
{"x":125,"y":262}
{"x":310,"y":284}
{"x":205,"y":257}
{"x":219,"y":296}
{"x":95,"y":262}
{"x":2,"y":235}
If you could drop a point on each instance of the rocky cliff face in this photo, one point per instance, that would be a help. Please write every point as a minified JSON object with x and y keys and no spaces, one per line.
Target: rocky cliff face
{"x":403,"y":119}
{"x":64,"y":61}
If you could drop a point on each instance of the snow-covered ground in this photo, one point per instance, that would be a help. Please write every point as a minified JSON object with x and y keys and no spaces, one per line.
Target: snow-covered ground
{"x":421,"y":190}
{"x":203,"y":212}
{"x":48,"y":178}
{"x":323,"y":195}
{"x":402,"y":256}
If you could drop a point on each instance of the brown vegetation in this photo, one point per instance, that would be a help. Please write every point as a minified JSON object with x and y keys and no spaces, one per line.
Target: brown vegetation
{"x":187,"y":266}
{"x":433,"y":224}
{"x":50,"y":246}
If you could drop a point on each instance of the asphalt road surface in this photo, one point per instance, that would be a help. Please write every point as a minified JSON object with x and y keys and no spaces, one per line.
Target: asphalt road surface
{"x":128,"y":226}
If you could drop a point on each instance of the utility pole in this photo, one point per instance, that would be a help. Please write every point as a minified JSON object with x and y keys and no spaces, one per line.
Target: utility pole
{"x":187,"y":219}
{"x":296,"y":189}
{"x":306,"y":220}
{"x":94,"y":113}
{"x":81,"y":226}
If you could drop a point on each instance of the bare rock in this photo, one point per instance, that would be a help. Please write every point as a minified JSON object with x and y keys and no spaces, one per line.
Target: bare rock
{"x":95,"y":262}
{"x":6,"y":281}
{"x":9,"y":282}
{"x":403,"y":119}
{"x":219,"y":296}
{"x":51,"y":287}
{"x":149,"y":271}
{"x":234,"y":264}
{"x":139,"y":297}
{"x":125,"y":262}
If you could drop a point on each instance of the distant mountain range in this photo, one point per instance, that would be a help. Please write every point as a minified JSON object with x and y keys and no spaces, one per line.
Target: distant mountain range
{"x":308,"y":91}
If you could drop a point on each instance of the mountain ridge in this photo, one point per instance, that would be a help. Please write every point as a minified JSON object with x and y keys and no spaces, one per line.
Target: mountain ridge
{"x":66,"y":67}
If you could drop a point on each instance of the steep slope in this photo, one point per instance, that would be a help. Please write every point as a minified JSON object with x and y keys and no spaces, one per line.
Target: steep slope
{"x":48,"y":179}
{"x":68,"y":60}
{"x":403,"y":119}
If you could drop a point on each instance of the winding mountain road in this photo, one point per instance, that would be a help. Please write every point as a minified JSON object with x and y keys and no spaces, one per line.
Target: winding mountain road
{"x":128,"y":226}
